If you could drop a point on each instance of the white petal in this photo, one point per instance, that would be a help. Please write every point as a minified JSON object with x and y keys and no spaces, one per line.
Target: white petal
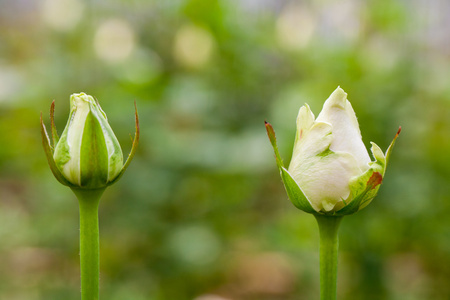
{"x":315,"y":141}
{"x":79,"y":109}
{"x":322,"y":175}
{"x":305,"y":120}
{"x":325,"y":179}
{"x":338,"y":111}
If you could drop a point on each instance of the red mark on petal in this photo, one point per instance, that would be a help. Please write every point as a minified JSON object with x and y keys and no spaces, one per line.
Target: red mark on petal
{"x":374,"y":180}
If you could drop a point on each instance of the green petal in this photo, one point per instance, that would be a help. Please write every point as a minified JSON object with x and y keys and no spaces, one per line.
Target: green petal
{"x":115,"y":155}
{"x":94,"y":155}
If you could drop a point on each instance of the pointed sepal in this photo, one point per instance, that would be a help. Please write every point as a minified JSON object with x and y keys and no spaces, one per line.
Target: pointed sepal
{"x":293,"y":190}
{"x":295,"y":193}
{"x":48,"y":149}
{"x":133,"y":147}
{"x":365,"y":188}
{"x":55,"y":137}
{"x":391,"y":146}
{"x":273,"y":142}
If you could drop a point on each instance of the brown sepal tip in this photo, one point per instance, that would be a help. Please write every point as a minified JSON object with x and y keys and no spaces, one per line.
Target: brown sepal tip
{"x":270,"y":132}
{"x":269,"y":127}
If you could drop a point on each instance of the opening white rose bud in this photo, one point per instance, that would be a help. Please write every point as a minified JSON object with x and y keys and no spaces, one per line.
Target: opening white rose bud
{"x":330,"y":171}
{"x":88,"y":154}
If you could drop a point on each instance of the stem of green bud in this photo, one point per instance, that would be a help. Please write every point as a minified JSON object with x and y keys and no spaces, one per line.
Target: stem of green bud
{"x":89,"y":242}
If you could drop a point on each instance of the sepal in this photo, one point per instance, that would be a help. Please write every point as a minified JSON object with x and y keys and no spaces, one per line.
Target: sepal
{"x":294,"y":192}
{"x":365,"y":187}
{"x":363,"y":192}
{"x":48,"y":149}
{"x":133,"y":148}
{"x":55,"y":137}
{"x":273,"y":142}
{"x":391,"y":146}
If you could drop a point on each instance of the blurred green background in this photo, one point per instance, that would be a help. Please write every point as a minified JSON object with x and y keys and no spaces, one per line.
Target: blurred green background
{"x":201,"y":213}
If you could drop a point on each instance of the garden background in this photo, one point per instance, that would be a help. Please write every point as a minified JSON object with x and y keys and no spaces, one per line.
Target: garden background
{"x":201,"y":212}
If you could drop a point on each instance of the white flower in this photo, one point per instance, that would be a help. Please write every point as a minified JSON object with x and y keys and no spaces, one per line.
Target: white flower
{"x":330,"y":166}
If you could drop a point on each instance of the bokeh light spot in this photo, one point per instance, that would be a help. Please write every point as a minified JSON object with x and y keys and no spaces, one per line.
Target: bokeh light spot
{"x":193,"y":46}
{"x":114,"y":41}
{"x":62,"y":15}
{"x":295,"y":27}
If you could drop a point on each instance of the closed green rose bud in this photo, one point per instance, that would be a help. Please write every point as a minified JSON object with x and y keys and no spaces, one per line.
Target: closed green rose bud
{"x":330,"y":171}
{"x":88,"y":154}
{"x":87,"y":158}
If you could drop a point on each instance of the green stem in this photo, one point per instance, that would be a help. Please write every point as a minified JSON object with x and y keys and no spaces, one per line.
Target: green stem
{"x":89,"y":242}
{"x":329,"y":244}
